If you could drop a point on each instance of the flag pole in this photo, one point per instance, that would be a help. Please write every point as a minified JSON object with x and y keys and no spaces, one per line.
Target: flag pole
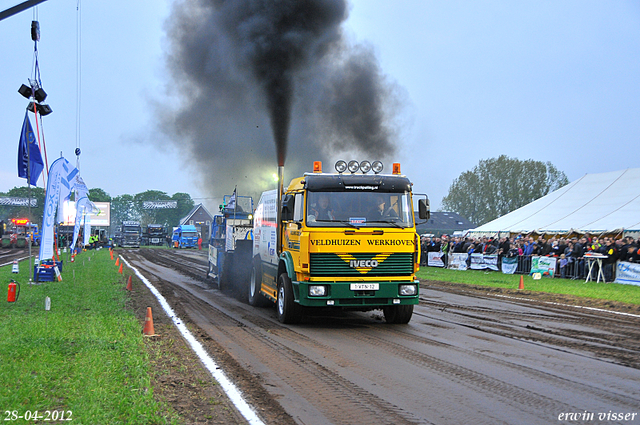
{"x":29,"y":194}
{"x":235,"y":207}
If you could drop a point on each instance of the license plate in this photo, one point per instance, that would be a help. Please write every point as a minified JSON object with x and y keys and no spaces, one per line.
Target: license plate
{"x":364,"y":286}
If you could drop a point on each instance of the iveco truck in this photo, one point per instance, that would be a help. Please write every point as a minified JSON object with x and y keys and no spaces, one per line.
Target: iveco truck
{"x":338,"y":240}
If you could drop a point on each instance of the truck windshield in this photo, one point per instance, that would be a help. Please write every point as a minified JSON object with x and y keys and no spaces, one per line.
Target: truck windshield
{"x":190,"y":234}
{"x":131,"y":229}
{"x":358,"y":209}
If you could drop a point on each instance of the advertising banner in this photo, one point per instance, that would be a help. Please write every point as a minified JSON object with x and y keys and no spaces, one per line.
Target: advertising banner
{"x":79,"y":215}
{"x":481,"y":261}
{"x":628,"y":273}
{"x":18,"y":202}
{"x":434,"y":259}
{"x":86,"y":233}
{"x":157,"y":205}
{"x":509,"y":265}
{"x":458,"y":261}
{"x":546,"y":266}
{"x":61,"y":177}
{"x":98,"y":215}
{"x":84,"y":209}
{"x":68,"y":183}
{"x":81,"y":195}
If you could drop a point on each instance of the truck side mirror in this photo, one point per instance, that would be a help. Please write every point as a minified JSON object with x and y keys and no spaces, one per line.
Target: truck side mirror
{"x":288,"y":203}
{"x":423,"y":209}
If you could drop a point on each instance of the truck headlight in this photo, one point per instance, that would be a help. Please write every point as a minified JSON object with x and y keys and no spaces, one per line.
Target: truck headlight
{"x":408,"y":290}
{"x":317,"y":290}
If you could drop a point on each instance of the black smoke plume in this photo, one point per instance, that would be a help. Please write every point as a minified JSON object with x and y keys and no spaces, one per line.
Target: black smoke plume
{"x":240,"y":68}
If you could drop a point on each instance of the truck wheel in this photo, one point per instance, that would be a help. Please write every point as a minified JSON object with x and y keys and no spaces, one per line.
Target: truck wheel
{"x":398,"y":314}
{"x":238,"y":275}
{"x":254,"y":296}
{"x":287,"y":309}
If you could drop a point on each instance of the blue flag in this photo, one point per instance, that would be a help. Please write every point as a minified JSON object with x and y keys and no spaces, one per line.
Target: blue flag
{"x":34,"y":158}
{"x":232,"y":201}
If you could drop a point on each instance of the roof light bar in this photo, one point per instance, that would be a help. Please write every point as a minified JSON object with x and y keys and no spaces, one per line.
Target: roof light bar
{"x":365,"y":167}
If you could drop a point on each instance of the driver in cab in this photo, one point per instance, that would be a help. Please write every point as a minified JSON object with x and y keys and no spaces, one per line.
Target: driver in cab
{"x":380,"y":210}
{"x":322,"y":211}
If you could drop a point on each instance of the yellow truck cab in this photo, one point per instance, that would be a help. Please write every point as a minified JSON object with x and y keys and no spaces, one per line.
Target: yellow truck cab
{"x":347,"y":240}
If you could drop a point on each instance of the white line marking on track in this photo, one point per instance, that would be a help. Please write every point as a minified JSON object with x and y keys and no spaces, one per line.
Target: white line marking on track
{"x":229,"y":388}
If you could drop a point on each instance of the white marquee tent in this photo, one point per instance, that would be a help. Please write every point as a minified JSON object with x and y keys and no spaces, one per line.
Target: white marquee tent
{"x":595,"y":203}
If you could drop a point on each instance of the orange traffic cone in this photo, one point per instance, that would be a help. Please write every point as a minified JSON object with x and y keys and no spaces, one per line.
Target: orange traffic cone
{"x":521,"y":286}
{"x":129,"y":287}
{"x":117,"y":261}
{"x":120,"y":270}
{"x":148,"y":324}
{"x":111,"y":252}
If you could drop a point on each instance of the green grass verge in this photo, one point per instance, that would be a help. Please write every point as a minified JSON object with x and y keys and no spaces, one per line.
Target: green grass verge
{"x":85,"y":356}
{"x":604,"y":291}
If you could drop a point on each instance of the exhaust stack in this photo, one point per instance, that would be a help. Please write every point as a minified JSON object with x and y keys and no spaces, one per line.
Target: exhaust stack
{"x":279,"y":209}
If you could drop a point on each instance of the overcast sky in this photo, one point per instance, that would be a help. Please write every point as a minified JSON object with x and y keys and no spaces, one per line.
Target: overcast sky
{"x":546,"y":80}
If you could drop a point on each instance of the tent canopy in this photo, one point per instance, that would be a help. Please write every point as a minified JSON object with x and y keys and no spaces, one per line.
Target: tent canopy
{"x":595,"y":203}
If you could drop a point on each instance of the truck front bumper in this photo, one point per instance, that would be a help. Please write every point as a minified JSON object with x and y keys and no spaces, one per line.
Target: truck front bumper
{"x":343,"y":294}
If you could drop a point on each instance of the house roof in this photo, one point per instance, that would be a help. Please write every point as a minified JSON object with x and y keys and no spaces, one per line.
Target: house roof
{"x":595,"y":203}
{"x":444,"y":222}
{"x":193,"y":211}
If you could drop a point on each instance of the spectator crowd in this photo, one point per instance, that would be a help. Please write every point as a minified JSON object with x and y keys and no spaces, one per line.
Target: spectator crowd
{"x":570,"y":252}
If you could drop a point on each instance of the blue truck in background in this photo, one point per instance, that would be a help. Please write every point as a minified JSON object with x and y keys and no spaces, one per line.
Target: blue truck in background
{"x":185,"y":236}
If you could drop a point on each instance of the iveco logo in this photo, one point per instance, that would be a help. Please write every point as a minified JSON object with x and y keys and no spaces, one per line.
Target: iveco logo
{"x":355,"y":264}
{"x":364,"y":266}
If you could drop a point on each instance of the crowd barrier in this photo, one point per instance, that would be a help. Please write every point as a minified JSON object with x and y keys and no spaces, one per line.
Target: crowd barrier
{"x":621,"y":272}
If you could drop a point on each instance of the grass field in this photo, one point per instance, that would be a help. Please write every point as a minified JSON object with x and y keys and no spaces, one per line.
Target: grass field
{"x":605,"y":291}
{"x":83,"y":360}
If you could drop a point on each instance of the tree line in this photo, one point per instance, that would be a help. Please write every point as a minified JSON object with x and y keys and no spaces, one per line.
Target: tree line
{"x":123,"y":207}
{"x":500,"y":185}
{"x":490,"y":190}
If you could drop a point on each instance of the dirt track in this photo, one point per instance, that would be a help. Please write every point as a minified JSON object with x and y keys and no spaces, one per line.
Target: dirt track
{"x":467,"y":356}
{"x":7,"y":255}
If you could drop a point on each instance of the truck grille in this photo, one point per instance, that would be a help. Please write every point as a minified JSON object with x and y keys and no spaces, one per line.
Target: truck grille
{"x":339,"y":265}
